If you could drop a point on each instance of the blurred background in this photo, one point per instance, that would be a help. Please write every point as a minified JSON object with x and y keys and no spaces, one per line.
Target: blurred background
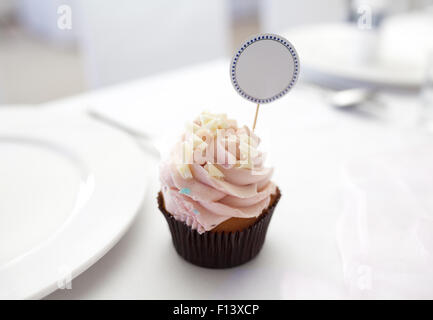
{"x":57,"y":48}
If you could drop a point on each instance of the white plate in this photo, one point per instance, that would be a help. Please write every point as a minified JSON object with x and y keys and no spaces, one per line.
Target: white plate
{"x":344,"y":56}
{"x":69,"y":189}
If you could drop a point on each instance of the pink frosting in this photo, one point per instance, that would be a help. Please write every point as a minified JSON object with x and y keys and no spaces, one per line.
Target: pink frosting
{"x":204,"y":201}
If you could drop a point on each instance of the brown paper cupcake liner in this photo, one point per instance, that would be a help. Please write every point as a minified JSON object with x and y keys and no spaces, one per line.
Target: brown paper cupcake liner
{"x":218,"y":249}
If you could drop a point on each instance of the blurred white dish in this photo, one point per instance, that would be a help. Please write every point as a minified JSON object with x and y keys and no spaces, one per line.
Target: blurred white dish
{"x":343,"y":56}
{"x":412,"y":31}
{"x":70,"y":187}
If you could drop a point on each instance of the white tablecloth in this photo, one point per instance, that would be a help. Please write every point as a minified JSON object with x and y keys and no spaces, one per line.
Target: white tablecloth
{"x":307,"y":142}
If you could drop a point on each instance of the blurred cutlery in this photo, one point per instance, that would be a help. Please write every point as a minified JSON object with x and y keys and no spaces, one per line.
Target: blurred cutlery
{"x":144,"y":139}
{"x":351,"y":97}
{"x":360,"y":100}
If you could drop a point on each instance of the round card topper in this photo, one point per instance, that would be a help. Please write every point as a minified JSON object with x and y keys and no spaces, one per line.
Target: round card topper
{"x":264,"y":68}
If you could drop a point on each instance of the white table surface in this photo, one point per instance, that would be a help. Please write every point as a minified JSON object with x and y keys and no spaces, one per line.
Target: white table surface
{"x":307,"y":143}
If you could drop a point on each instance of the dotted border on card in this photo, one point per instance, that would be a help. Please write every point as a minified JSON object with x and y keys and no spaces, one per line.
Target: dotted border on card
{"x":246,"y":44}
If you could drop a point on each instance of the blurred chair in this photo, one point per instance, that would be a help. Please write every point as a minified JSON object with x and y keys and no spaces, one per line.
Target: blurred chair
{"x":125,"y":40}
{"x":279,"y":15}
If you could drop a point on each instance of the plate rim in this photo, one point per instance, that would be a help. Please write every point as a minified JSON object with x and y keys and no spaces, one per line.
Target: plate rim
{"x":112,"y":233}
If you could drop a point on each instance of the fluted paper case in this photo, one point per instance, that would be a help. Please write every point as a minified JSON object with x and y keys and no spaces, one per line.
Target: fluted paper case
{"x":218,"y":249}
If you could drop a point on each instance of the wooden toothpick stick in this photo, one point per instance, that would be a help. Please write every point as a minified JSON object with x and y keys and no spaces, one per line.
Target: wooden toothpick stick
{"x":255,"y":117}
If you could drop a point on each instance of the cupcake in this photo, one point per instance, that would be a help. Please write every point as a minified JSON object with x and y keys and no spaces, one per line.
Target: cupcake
{"x":216,"y":194}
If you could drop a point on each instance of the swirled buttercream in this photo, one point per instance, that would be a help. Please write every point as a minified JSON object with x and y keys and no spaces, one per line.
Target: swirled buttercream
{"x":214,"y":173}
